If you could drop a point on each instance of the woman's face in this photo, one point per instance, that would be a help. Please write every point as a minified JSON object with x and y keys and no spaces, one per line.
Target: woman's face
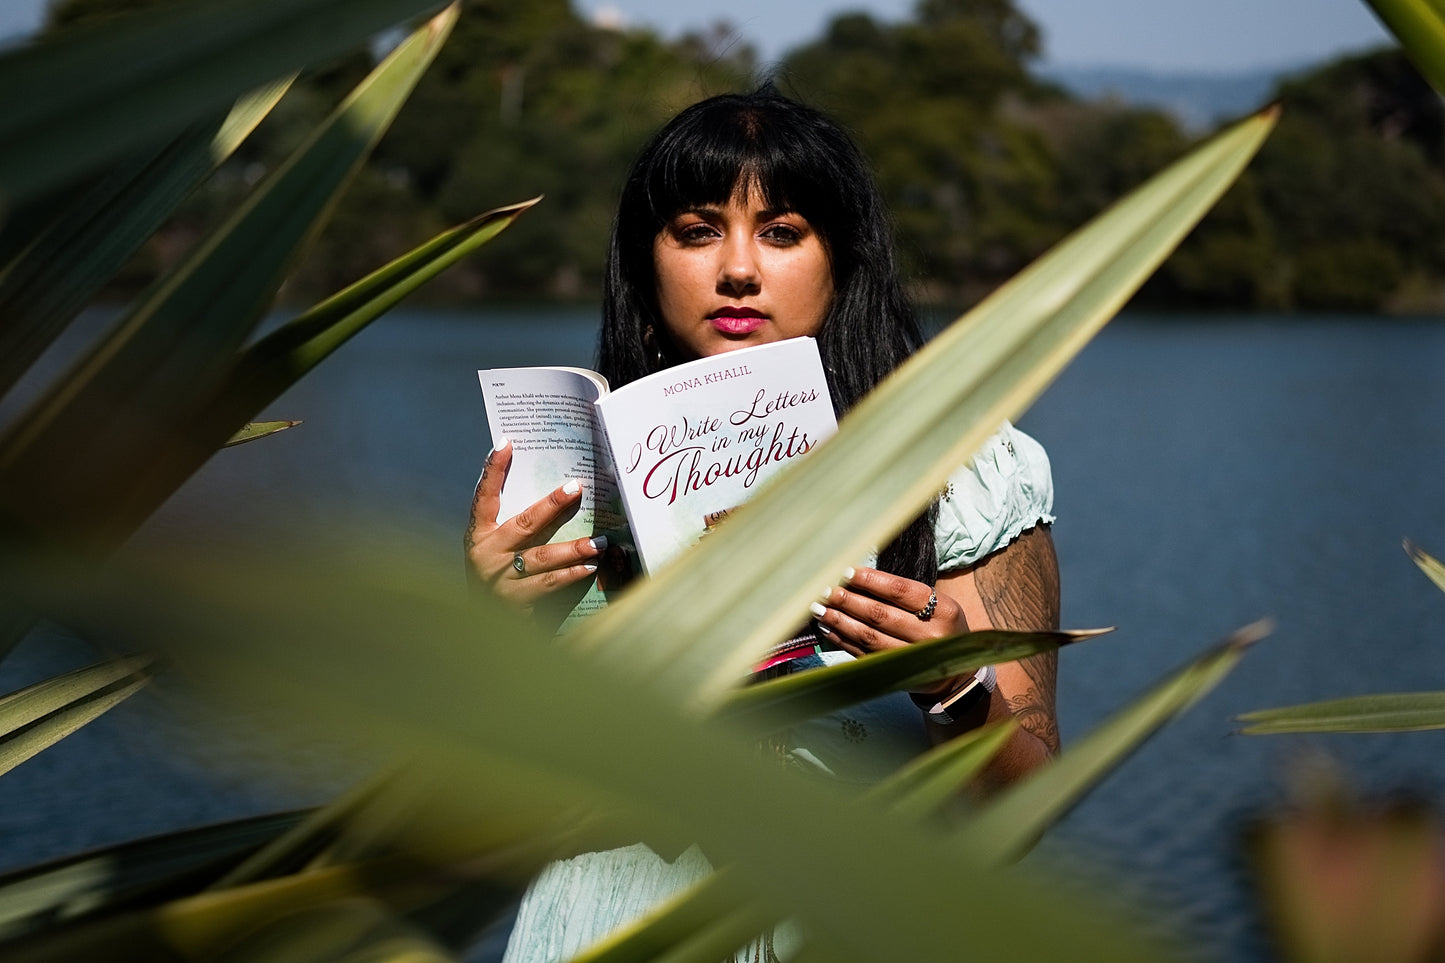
{"x":734,"y":275}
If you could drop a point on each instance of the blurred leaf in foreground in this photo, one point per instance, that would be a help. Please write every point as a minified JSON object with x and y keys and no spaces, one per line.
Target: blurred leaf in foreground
{"x":1343,"y":881}
{"x":380,"y":654}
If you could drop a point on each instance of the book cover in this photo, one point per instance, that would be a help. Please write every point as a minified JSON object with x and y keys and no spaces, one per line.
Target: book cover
{"x":692,"y":443}
{"x":664,"y":459}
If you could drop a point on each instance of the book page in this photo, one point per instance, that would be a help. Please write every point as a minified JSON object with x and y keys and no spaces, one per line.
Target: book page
{"x":694,"y":442}
{"x":549,"y":416}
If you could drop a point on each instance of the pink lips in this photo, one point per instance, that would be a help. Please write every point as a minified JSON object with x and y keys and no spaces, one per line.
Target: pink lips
{"x":730,"y":320}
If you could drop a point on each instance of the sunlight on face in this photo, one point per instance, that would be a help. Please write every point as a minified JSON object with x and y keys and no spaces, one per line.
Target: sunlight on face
{"x":734,"y":275}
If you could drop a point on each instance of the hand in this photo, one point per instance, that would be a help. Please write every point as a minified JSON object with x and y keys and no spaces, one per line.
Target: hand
{"x":878,"y":611}
{"x":491,"y":549}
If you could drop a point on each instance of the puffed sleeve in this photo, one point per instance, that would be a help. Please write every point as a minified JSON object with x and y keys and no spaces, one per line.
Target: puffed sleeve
{"x":1006,"y":490}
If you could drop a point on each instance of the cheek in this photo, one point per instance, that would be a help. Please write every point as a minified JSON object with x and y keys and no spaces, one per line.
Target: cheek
{"x":822,"y":294}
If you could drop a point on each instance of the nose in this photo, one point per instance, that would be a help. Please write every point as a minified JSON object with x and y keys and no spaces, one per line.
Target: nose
{"x":738,"y":273}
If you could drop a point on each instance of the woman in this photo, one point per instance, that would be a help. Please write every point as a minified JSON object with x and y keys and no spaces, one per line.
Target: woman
{"x":749,"y":219}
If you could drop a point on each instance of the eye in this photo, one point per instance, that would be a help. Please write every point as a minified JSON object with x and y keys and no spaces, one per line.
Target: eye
{"x":782,"y":234}
{"x":698,"y":232}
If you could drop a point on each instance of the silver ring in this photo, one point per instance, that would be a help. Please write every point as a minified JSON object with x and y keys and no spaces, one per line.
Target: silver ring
{"x":520,"y":565}
{"x":925,"y":613}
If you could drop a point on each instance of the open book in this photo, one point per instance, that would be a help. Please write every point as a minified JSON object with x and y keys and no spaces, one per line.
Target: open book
{"x":663,"y":459}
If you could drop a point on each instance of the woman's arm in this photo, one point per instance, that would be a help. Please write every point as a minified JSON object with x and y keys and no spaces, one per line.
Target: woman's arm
{"x":1016,"y":587}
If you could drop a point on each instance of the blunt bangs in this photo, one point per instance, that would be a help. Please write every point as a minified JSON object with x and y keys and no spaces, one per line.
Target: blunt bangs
{"x":744,"y":142}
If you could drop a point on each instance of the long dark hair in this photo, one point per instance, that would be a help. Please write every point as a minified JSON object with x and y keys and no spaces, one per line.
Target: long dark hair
{"x":798,"y":160}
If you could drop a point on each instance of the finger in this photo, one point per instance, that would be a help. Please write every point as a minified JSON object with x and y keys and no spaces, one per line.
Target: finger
{"x":538,"y":521}
{"x":545,"y":558}
{"x":854,"y":636}
{"x":875,"y":613}
{"x":487,"y":499}
{"x":904,"y":593}
{"x":525,"y":591}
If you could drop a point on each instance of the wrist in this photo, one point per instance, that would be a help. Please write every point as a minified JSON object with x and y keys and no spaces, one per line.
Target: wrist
{"x":960,"y":701}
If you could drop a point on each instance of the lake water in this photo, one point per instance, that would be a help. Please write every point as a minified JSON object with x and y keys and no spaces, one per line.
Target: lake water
{"x":1208,"y":471}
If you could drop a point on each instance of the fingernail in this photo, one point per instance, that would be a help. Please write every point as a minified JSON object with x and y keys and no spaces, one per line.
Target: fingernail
{"x":572,"y":487}
{"x":824,"y":630}
{"x":817,"y":610}
{"x":598,"y":543}
{"x":590,"y":567}
{"x":499,"y":443}
{"x":827,"y":594}
{"x":848,"y":574}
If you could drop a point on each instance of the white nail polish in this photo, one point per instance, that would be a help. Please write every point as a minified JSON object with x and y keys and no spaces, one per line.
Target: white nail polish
{"x":848,"y":574}
{"x":572,"y":487}
{"x":598,"y":543}
{"x":590,"y":567}
{"x":817,"y":610}
{"x":827,"y":593}
{"x":499,"y":443}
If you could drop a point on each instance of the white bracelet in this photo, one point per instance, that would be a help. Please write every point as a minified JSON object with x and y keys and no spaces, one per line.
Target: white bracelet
{"x":952,"y":707}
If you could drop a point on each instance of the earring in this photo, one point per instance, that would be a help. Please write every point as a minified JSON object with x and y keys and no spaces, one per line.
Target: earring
{"x":649,"y":340}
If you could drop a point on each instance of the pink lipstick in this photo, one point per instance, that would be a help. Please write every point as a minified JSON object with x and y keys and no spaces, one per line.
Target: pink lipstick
{"x":734,"y":320}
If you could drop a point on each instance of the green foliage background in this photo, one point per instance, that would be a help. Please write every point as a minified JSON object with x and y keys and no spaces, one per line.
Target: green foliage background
{"x":984,"y":164}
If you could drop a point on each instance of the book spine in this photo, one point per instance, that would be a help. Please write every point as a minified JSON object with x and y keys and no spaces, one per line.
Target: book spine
{"x":613,"y":459}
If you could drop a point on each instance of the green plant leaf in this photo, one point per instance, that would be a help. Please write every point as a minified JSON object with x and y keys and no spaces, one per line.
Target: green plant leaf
{"x":80,"y":97}
{"x":704,"y":923}
{"x":123,"y":419}
{"x":1390,"y":712}
{"x":259,"y":429}
{"x":203,"y":926}
{"x":133,"y":873}
{"x":66,"y":264}
{"x":277,"y":361}
{"x":791,"y":699}
{"x":346,"y":661}
{"x":38,"y":716}
{"x":348,"y":930}
{"x":916,"y":791}
{"x":1427,"y":563}
{"x":895,"y":449}
{"x":927,"y":783}
{"x":1016,"y":817}
{"x":719,"y":910}
{"x":1419,"y":25}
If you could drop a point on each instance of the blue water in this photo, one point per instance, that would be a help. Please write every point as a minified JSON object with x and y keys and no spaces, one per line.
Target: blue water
{"x":1208,"y":472}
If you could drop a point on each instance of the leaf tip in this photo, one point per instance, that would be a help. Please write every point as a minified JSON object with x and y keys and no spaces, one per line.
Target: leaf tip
{"x":442,"y":23}
{"x":1243,"y":638}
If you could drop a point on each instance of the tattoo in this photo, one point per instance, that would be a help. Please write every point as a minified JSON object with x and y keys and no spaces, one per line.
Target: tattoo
{"x":1019,"y":587}
{"x":469,"y":537}
{"x":1035,"y":713}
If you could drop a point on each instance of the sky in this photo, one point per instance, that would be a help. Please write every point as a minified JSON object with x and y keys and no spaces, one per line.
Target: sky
{"x":1210,"y":36}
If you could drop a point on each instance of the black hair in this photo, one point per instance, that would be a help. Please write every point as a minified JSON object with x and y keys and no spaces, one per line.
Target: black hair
{"x":798,"y":160}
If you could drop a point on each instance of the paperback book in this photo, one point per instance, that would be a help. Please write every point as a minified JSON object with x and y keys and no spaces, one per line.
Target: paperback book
{"x":664,"y":459}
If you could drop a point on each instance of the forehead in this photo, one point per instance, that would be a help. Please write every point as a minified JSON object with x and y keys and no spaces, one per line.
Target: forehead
{"x":746,"y":198}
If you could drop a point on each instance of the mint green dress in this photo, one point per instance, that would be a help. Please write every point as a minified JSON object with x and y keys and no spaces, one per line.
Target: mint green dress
{"x":1006,"y":490}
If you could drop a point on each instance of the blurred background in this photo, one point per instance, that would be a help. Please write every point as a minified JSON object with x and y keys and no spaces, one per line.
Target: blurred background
{"x":995,"y":127}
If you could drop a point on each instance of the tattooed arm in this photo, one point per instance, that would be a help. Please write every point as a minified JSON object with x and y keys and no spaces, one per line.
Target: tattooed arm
{"x":1016,"y":587}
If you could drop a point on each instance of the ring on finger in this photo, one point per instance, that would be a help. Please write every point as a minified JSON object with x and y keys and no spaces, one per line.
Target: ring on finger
{"x":519,"y":564}
{"x":925,"y":613}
